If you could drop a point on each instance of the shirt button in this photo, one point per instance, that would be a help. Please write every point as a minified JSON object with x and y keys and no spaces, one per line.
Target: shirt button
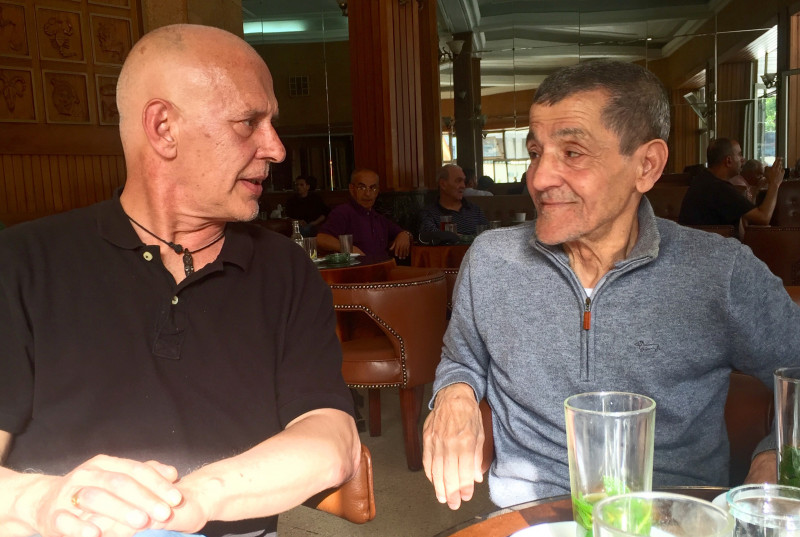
{"x":174,"y":300}
{"x":147,"y":256}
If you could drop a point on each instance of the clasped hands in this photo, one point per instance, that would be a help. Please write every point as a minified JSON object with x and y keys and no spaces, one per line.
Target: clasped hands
{"x":452,"y":442}
{"x":110,"y":497}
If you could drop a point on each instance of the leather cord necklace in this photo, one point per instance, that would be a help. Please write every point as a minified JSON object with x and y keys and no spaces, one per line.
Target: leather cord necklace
{"x":188,"y":262}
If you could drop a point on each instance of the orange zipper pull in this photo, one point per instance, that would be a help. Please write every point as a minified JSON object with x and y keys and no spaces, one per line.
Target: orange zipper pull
{"x":587,"y":314}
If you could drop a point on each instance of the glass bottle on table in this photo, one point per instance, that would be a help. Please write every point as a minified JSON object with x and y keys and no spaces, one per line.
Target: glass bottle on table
{"x":297,"y":237}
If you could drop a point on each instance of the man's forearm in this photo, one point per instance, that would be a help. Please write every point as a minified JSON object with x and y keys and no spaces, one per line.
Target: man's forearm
{"x":327,"y":242}
{"x":319,"y":450}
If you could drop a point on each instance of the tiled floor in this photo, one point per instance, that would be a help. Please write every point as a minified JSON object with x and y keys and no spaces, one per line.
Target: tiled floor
{"x":405,"y":502}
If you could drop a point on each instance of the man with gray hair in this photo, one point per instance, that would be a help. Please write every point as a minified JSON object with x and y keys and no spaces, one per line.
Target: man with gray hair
{"x":752,"y":179}
{"x":597,"y":294}
{"x":451,"y":202}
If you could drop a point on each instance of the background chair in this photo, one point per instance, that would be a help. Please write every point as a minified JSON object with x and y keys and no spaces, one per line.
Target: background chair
{"x":353,"y":501}
{"x":391,"y":336}
{"x":779,"y":248}
{"x":725,"y":231}
{"x":787,"y":206}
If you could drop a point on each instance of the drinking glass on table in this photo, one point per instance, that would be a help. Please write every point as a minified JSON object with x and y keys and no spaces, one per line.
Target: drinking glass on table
{"x":609,"y":447}
{"x":443,"y":221}
{"x":451,"y":227}
{"x":660,"y":513}
{"x":480,"y":228}
{"x":346,"y":244}
{"x":765,"y":510}
{"x":310,"y":246}
{"x":787,"y":430}
{"x":494,"y":224}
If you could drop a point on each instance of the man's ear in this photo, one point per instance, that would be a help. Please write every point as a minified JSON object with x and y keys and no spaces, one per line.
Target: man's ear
{"x":158,"y":121}
{"x":652,"y":157}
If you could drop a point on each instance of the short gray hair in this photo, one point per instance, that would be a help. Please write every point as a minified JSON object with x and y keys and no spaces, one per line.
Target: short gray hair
{"x":637,"y":110}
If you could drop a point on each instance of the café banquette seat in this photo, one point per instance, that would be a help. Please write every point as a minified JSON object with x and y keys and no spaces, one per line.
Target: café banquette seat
{"x":787,"y":206}
{"x":725,"y":231}
{"x":353,"y":501}
{"x":779,"y":248}
{"x":504,"y":207}
{"x":391,"y":335}
{"x":666,"y":199}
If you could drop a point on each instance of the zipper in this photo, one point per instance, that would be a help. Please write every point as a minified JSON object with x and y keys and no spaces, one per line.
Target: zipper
{"x":587,"y":314}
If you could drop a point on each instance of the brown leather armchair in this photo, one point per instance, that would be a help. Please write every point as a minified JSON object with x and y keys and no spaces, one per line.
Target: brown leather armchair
{"x":353,"y":501}
{"x":391,"y":335}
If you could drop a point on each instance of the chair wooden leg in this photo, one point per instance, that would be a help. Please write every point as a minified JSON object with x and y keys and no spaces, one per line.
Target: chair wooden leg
{"x":374,"y":411}
{"x":410,"y":409}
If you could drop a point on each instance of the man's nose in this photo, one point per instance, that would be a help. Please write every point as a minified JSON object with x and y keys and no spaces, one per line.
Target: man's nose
{"x":543,"y":173}
{"x":270,"y":146}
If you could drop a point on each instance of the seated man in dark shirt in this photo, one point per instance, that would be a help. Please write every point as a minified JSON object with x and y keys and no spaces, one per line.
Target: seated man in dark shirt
{"x":451,"y":202}
{"x":373,"y":233}
{"x":713,"y":200}
{"x":306,"y":206}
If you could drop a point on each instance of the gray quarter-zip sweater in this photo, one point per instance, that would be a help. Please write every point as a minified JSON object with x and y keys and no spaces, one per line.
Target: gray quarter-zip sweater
{"x":670,"y":321}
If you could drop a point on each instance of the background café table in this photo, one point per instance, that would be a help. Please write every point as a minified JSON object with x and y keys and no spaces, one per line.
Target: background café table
{"x":363,"y":268}
{"x":505,"y":522}
{"x":438,"y":256}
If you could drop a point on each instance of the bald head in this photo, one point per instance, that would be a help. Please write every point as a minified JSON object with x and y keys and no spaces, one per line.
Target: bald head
{"x":183,"y":64}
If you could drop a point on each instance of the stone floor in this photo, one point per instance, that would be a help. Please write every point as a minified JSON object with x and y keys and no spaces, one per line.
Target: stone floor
{"x":405,"y":502}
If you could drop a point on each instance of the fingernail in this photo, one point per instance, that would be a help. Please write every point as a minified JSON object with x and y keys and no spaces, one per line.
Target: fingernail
{"x":162,"y":512}
{"x":174,"y":497}
{"x":136,"y":519}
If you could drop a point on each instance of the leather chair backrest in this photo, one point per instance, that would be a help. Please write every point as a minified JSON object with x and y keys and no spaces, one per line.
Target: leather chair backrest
{"x":353,"y":501}
{"x":787,"y":206}
{"x":779,"y":248}
{"x":503,"y":207}
{"x":666,"y":199}
{"x":410,"y":307}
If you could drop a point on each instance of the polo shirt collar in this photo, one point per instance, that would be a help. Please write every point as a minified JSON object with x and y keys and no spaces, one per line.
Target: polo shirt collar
{"x":464,"y":205}
{"x":113,"y":225}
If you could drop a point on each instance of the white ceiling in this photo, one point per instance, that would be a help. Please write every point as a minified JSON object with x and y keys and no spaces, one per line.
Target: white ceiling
{"x":519,"y":41}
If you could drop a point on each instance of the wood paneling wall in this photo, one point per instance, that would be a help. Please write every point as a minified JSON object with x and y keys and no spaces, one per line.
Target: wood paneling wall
{"x":394,"y":67}
{"x":38,"y":185}
{"x":793,"y":125}
{"x":734,"y":81}
{"x":684,"y":135}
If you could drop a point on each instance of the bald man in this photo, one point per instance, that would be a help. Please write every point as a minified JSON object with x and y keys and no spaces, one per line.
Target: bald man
{"x":156,"y":349}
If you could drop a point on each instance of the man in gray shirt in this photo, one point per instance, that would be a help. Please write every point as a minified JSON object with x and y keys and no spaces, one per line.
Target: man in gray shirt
{"x":599,"y":294}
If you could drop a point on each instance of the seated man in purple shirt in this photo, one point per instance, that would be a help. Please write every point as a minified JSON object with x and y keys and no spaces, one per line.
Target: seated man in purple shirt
{"x":373,"y":233}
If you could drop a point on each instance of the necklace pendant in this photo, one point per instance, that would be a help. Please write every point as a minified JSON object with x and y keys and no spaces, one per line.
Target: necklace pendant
{"x":188,"y":262}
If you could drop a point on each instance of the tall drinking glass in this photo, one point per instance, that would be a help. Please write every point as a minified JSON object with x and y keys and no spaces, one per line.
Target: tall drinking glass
{"x":765,"y":510}
{"x":787,"y":431}
{"x":609,"y":447}
{"x":346,"y":243}
{"x":660,"y":513}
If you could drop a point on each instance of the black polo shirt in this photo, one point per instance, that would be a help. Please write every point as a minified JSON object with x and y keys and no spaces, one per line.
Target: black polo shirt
{"x":710,"y":201}
{"x":103,"y":353}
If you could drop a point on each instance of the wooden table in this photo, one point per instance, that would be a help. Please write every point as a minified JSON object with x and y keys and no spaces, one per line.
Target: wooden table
{"x":367,"y":269}
{"x":438,"y":256}
{"x":505,"y":522}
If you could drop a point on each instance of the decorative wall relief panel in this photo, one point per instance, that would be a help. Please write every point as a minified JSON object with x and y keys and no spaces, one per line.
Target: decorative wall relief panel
{"x":111,"y":39}
{"x":16,"y":88}
{"x":59,"y":35}
{"x":13,"y":35}
{"x":65,"y":97}
{"x":107,"y":100}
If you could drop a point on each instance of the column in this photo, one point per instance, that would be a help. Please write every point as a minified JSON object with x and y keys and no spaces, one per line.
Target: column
{"x":467,"y":106}
{"x":395,"y":90}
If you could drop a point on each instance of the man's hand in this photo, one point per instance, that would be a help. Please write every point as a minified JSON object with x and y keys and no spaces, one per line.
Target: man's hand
{"x":764,"y":468}
{"x":774,"y":173}
{"x":452,"y":442}
{"x":401,"y":245}
{"x":104,"y":496}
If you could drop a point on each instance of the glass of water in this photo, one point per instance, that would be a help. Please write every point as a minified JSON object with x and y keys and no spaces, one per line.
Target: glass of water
{"x":765,"y":510}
